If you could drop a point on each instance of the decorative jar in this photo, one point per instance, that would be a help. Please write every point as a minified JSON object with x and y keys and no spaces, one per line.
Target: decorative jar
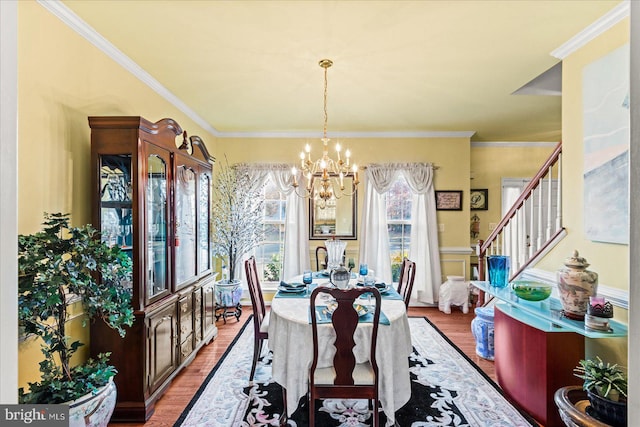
{"x":575,"y":285}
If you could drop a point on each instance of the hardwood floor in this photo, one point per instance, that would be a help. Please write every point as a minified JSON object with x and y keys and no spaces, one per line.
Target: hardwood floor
{"x":457,"y":327}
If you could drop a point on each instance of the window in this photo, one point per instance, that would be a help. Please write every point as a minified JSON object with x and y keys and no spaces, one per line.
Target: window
{"x":269,"y":254}
{"x":398,"y":201}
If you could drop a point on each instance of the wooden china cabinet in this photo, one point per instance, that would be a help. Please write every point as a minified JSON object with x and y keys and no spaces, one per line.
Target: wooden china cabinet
{"x":151,"y":196}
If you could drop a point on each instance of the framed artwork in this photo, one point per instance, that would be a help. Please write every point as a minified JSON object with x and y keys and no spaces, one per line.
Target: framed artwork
{"x":606,"y":130}
{"x":450,"y":200}
{"x":479,"y":199}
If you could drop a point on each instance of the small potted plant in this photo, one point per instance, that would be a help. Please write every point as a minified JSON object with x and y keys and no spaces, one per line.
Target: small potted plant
{"x":56,"y":266}
{"x":606,"y":387}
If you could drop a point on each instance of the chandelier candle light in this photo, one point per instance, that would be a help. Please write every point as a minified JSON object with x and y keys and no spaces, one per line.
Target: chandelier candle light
{"x":326,"y":166}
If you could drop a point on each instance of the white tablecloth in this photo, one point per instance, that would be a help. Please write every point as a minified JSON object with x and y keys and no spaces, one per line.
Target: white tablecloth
{"x":290,"y":339}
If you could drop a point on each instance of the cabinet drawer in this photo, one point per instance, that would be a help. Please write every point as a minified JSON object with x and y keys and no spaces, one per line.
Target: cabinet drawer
{"x":185,"y":313}
{"x":186,"y":348}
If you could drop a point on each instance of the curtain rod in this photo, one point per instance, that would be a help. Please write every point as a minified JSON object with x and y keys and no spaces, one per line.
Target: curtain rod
{"x":435,"y":167}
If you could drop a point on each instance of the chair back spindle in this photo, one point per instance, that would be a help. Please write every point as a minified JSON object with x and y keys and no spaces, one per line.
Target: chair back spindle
{"x":405,"y":283}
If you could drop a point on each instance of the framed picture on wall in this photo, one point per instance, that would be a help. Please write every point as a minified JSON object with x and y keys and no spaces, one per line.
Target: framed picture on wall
{"x":449,"y":200}
{"x":479,"y":199}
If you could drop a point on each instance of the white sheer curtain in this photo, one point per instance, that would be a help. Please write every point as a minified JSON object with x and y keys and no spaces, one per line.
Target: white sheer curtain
{"x":374,"y":235}
{"x":296,"y":244}
{"x":374,"y":240}
{"x":424,"y":250}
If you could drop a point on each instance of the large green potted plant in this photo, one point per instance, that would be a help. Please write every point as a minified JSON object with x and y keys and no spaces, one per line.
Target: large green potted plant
{"x":237,"y":216}
{"x":57,"y":266}
{"x":606,"y":387}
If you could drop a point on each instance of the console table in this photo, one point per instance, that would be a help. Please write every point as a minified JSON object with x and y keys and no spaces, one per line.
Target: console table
{"x":536,"y":349}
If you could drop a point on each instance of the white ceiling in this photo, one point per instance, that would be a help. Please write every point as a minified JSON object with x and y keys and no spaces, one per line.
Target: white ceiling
{"x":400,"y":67}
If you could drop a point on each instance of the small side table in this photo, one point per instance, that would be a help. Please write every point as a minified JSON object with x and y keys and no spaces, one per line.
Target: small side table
{"x":228,"y":301}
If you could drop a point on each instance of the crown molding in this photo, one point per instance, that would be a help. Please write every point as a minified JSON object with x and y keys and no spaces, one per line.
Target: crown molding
{"x":518,"y":144}
{"x":73,"y":21}
{"x":388,"y":135}
{"x":602,"y":24}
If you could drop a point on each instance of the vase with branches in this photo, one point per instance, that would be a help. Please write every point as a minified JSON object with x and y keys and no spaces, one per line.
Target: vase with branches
{"x":56,"y":266}
{"x":237,"y":215}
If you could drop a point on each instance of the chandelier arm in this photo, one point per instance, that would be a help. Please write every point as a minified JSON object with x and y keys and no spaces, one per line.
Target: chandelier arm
{"x":342,"y":192}
{"x":305,"y":193}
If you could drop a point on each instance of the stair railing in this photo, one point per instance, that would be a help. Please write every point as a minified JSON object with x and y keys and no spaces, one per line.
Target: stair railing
{"x":532,"y":224}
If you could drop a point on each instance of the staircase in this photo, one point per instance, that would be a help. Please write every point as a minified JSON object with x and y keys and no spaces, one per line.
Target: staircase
{"x":532,"y":226}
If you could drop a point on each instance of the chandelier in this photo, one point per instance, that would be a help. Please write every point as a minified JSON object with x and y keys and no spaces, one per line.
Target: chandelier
{"x":330,"y":172}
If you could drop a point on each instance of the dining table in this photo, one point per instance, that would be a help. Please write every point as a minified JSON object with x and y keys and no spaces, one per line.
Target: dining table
{"x":291,"y":342}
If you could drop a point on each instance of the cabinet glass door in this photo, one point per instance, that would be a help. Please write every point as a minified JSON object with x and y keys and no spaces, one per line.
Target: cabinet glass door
{"x":116,"y":209}
{"x":204,"y":239}
{"x":156,"y":219}
{"x":185,"y":228}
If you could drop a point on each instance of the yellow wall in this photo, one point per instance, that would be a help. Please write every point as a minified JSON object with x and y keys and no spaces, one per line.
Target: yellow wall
{"x":610,"y":261}
{"x":450,"y":155}
{"x":489,"y":164}
{"x":62,"y":80}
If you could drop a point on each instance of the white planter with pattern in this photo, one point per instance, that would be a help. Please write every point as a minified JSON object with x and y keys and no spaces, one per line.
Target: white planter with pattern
{"x":93,"y":410}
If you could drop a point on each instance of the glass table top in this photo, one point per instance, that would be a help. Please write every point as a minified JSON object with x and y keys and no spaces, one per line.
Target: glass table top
{"x":545,"y":315}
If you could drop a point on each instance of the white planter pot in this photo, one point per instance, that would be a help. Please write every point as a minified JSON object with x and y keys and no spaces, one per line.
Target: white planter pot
{"x":93,"y":410}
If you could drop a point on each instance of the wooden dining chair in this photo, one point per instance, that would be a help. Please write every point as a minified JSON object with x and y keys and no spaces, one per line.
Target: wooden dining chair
{"x":260,"y":315}
{"x":321,"y":257}
{"x":345,"y":378}
{"x":405,"y":283}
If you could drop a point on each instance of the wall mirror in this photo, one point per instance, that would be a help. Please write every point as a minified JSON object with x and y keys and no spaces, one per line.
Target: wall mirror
{"x":337,"y":216}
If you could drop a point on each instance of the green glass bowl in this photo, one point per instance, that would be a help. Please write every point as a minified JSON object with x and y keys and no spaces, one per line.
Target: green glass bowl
{"x":531,"y":291}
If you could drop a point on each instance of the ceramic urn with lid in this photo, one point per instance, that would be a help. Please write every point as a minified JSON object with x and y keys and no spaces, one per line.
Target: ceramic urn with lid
{"x":575,"y":285}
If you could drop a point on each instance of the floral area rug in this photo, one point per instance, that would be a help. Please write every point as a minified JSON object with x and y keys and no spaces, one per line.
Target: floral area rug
{"x":447,"y":389}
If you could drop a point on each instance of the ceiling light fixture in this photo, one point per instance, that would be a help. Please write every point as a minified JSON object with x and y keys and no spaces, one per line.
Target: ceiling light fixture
{"x":331,"y":172}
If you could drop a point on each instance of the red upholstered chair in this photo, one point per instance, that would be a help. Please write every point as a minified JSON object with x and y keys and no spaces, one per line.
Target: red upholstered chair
{"x":405,"y":283}
{"x":260,"y":315}
{"x":345,"y":378}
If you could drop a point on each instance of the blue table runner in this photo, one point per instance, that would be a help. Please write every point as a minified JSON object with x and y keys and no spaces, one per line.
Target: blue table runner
{"x":390,"y":294}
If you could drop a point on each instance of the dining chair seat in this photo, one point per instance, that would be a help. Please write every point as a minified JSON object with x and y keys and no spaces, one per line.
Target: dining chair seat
{"x":264,"y":326}
{"x":362,"y":375}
